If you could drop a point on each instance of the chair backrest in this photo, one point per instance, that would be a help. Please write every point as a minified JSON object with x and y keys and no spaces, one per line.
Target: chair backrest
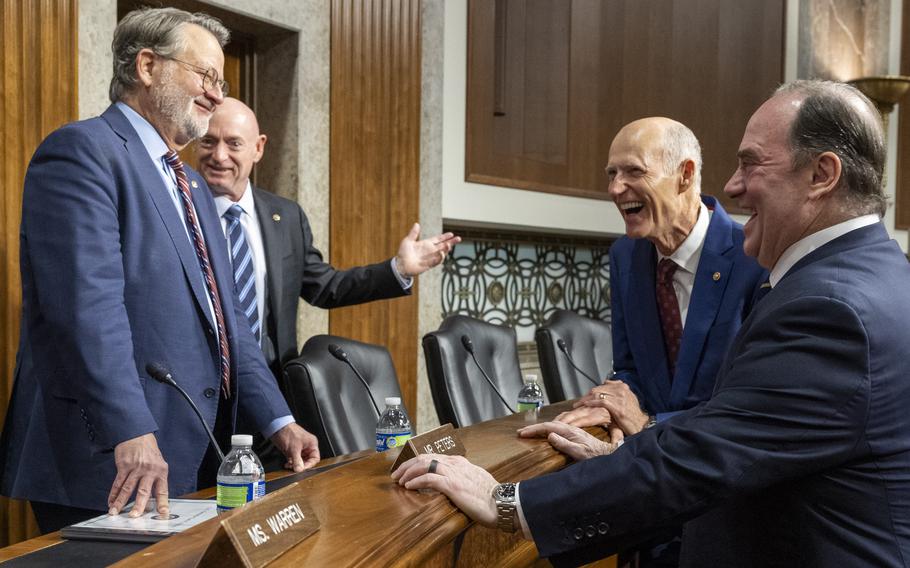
{"x":460,"y":393}
{"x":588,"y":342}
{"x":329,"y":400}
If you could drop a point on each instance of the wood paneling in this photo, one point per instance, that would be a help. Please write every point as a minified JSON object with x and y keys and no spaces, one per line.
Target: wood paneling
{"x":375,"y":162}
{"x":550,"y":87}
{"x":38,"y":92}
{"x":902,"y":179}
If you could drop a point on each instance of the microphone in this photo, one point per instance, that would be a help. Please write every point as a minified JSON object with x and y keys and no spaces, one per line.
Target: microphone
{"x":160,"y":373}
{"x":469,"y":347}
{"x":341,"y":355}
{"x":562,"y":347}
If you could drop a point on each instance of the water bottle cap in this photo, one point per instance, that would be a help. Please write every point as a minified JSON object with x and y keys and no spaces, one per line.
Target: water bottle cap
{"x":393,"y":401}
{"x":530,"y":378}
{"x":241,"y":440}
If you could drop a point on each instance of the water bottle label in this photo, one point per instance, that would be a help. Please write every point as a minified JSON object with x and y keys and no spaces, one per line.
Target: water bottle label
{"x":388,"y":441}
{"x":233,"y":495}
{"x":523,"y":406}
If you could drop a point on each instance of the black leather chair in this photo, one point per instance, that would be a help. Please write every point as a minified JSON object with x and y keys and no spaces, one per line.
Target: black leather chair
{"x":460,"y":393}
{"x":589,"y":343}
{"x":329,"y":400}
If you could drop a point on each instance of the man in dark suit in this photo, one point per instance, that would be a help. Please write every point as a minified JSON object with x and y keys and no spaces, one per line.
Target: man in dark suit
{"x":679,"y":246}
{"x":284,"y":264}
{"x":800,"y":457}
{"x":123,"y":265}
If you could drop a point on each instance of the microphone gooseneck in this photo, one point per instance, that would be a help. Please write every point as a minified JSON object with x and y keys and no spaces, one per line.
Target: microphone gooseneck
{"x":161,"y":374}
{"x":340,"y":354}
{"x":562,"y":347}
{"x":469,"y":347}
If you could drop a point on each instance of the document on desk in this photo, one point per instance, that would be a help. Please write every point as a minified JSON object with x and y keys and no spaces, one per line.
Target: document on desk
{"x":150,"y":527}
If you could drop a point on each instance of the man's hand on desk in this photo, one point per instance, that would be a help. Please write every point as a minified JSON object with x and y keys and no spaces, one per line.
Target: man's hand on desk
{"x":620,"y":404}
{"x":468,"y":486}
{"x":585,"y":416}
{"x":573,"y":441}
{"x":140,"y":468}
{"x":299,"y":447}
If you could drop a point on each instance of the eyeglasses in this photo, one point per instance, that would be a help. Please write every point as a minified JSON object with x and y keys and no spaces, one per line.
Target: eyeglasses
{"x":210,"y":78}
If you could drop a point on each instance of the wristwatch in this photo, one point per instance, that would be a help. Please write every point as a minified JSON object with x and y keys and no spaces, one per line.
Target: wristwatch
{"x":652,"y":421}
{"x":506,"y":511}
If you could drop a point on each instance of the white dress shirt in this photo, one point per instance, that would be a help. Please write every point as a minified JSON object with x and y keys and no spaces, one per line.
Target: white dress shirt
{"x":686,"y":258}
{"x":250,"y":224}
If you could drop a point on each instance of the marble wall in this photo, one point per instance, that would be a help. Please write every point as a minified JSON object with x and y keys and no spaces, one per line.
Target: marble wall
{"x":843,"y":39}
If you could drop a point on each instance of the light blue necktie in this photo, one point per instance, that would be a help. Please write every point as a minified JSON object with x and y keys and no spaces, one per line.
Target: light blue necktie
{"x":242,"y":261}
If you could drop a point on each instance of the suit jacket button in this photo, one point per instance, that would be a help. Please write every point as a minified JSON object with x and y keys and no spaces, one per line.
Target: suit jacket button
{"x":603,"y":528}
{"x":591,"y":531}
{"x":578,"y":533}
{"x":209,"y":393}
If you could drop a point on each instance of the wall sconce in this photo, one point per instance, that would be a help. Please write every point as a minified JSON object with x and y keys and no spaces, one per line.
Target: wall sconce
{"x":884,"y":90}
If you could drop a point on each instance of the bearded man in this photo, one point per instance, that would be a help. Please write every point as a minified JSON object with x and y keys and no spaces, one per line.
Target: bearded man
{"x":124,"y":265}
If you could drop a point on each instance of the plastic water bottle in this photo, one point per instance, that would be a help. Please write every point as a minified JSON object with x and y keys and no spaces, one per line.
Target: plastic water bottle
{"x":241,"y":478}
{"x":394,"y":427}
{"x":530,"y":397}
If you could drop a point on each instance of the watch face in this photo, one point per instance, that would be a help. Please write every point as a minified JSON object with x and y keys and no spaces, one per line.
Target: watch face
{"x":506,"y":491}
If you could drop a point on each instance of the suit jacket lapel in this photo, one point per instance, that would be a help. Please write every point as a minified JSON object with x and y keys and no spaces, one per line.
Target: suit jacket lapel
{"x":272,"y":240}
{"x":646,"y":335}
{"x":158,"y":192}
{"x":704,"y":304}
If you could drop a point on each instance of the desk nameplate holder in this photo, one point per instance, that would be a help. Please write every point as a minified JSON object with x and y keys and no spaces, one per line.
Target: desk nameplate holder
{"x":442,"y":440}
{"x":261,"y":531}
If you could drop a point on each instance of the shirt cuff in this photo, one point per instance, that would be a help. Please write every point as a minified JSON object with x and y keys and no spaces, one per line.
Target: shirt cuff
{"x":276,"y":424}
{"x":525,"y":530}
{"x":406,"y":283}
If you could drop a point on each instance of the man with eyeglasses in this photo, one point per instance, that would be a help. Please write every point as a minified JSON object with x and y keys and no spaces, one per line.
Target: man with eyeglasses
{"x":124,"y":266}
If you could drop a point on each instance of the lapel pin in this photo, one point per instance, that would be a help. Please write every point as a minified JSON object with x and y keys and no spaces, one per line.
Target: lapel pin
{"x":194,"y":184}
{"x":716,"y":276}
{"x":276,"y":217}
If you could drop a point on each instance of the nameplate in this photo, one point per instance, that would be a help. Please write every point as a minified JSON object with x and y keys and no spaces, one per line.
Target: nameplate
{"x":261,"y":531}
{"x":442,"y":440}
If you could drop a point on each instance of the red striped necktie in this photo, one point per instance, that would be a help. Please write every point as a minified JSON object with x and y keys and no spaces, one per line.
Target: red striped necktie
{"x":202,"y":253}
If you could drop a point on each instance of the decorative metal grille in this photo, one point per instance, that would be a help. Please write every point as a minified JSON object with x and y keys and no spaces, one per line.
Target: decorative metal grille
{"x":521,"y":281}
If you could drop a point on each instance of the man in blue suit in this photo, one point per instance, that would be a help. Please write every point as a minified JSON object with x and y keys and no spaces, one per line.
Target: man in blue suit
{"x":123,"y":265}
{"x":681,"y":247}
{"x":800,"y":457}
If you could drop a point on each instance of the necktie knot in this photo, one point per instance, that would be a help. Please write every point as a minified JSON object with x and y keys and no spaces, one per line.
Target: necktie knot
{"x":666,"y":268}
{"x":173,"y":160}
{"x":233,"y":213}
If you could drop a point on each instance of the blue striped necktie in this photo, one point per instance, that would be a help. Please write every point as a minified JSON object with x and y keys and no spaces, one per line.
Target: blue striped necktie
{"x":244,"y":274}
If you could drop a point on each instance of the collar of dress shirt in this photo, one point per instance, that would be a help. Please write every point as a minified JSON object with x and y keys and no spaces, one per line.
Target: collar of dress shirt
{"x":153,"y":142}
{"x":686,"y":256}
{"x":804,"y":246}
{"x":223,"y":203}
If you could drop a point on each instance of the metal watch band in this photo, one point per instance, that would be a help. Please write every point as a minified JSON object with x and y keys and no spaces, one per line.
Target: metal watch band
{"x":506,"y":512}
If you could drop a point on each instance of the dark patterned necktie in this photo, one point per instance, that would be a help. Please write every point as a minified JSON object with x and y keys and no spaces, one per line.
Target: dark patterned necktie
{"x":668,"y":306}
{"x":202,"y":253}
{"x":242,"y":261}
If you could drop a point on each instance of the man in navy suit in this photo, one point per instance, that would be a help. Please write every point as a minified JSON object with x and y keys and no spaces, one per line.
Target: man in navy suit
{"x":123,"y":265}
{"x":800,"y":457}
{"x":680,"y":286}
{"x":654,"y":173}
